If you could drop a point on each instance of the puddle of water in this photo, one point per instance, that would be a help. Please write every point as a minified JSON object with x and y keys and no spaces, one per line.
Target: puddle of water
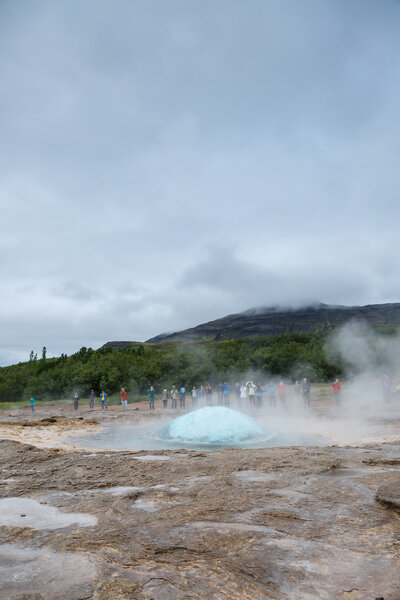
{"x":27,"y":512}
{"x":53,"y":575}
{"x":60,"y":494}
{"x":121,"y":490}
{"x":163,"y":486}
{"x":151,"y":457}
{"x":147,"y":506}
{"x":253,"y":476}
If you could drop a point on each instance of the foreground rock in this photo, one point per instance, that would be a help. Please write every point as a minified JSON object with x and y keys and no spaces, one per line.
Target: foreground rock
{"x":283,"y":523}
{"x":389,"y":494}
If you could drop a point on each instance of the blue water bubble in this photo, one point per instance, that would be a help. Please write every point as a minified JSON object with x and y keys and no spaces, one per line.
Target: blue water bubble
{"x":213,"y":425}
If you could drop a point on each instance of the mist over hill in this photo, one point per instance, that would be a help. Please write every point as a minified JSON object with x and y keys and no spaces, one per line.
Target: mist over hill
{"x":262,"y":321}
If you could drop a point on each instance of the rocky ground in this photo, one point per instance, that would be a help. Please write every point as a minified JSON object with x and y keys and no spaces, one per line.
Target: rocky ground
{"x":283,"y":523}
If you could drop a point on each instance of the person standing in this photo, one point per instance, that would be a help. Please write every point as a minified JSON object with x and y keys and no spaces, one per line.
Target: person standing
{"x":252,"y":393}
{"x":237,"y":393}
{"x":91,"y":399}
{"x":337,"y":392}
{"x":200,"y":395}
{"x":243,"y":394}
{"x":306,"y":391}
{"x":209,"y":395}
{"x":194,"y":397}
{"x":76,"y":401}
{"x":174,"y":397}
{"x":103,"y":399}
{"x":124,"y":399}
{"x":152,"y":396}
{"x":260,"y":395}
{"x":182,"y":397}
{"x":165,"y":398}
{"x":220,"y":393}
{"x":271,"y":393}
{"x":226,"y":391}
{"x":282,"y":391}
{"x":32,"y":401}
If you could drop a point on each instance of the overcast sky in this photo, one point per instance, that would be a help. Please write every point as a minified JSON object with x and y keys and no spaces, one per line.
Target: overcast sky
{"x":167,"y":162}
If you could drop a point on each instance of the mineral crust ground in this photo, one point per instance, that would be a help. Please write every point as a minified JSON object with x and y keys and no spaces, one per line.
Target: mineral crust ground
{"x":294,"y":523}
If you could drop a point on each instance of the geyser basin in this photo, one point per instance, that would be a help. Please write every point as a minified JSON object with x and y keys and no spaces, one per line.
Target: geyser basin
{"x":220,"y":427}
{"x":216,"y":425}
{"x":206,"y":428}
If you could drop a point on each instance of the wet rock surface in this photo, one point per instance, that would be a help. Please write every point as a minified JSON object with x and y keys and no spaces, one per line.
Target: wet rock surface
{"x":45,"y":573}
{"x":389,"y":494}
{"x":283,"y":523}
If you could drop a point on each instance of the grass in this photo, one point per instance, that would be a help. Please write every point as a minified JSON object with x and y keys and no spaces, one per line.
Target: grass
{"x":323,"y":391}
{"x":111,"y":401}
{"x":23,"y":403}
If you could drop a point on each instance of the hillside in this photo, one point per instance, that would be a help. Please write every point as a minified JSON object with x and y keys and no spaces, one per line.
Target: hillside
{"x":120,"y":345}
{"x":271,"y":321}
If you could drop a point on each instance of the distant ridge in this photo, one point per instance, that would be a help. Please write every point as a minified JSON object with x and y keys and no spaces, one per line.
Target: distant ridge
{"x":120,"y":345}
{"x":257,"y":322}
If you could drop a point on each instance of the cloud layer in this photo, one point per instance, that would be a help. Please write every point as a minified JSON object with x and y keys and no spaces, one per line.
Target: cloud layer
{"x":166,"y":163}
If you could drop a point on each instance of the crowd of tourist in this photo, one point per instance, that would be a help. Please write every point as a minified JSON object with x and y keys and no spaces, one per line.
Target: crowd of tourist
{"x":241,"y":395}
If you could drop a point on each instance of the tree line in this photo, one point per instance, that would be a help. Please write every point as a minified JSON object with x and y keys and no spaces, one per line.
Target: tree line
{"x":136,"y":368}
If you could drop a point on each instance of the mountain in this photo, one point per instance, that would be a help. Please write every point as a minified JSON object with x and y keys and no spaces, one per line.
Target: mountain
{"x":120,"y":345}
{"x":261,"y":321}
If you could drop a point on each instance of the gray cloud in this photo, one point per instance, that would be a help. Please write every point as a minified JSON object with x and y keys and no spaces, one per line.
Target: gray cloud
{"x":162,"y":164}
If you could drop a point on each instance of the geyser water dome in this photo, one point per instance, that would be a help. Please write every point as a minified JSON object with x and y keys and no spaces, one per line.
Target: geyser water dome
{"x":213,"y":425}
